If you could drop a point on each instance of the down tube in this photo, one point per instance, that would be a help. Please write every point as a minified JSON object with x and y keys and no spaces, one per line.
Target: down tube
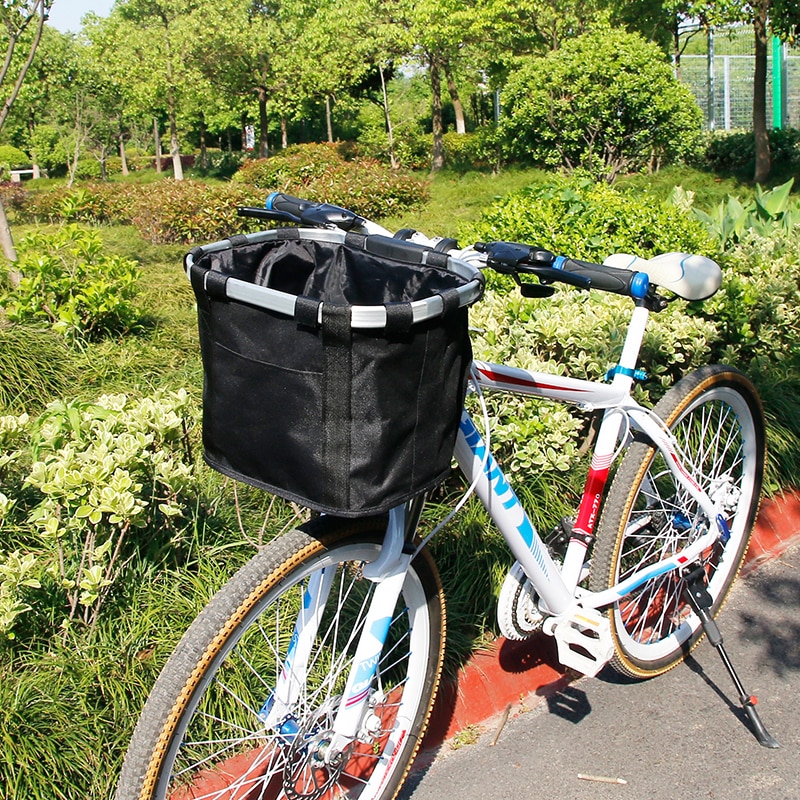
{"x":510,"y":517}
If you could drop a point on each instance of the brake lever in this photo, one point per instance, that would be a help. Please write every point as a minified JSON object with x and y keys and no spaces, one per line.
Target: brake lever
{"x":266,"y":213}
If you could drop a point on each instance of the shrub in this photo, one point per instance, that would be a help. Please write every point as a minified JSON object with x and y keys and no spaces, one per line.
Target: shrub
{"x":70,"y":284}
{"x":582,"y":219}
{"x":476,"y":150}
{"x":319,"y":172}
{"x":222,"y":164}
{"x":606,"y":101}
{"x":733,"y":152}
{"x":48,"y":149}
{"x":412,"y":145}
{"x":88,"y":169}
{"x":163,"y":212}
{"x":189,"y":211}
{"x":579,"y":334}
{"x":92,"y":473}
{"x":11,"y":157}
{"x":14,"y":196}
{"x":770,"y":212}
{"x":295,"y":166}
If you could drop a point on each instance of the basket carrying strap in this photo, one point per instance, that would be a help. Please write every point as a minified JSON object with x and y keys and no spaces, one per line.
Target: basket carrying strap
{"x":337,"y":349}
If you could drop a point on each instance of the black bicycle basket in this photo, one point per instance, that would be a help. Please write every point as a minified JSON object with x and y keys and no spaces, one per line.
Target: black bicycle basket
{"x":335,"y":364}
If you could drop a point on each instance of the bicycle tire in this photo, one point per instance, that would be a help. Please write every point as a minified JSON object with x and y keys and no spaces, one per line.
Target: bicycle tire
{"x":199,"y":731}
{"x":717,"y":419}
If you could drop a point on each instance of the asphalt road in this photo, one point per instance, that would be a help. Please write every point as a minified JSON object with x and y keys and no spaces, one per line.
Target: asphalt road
{"x":681,"y":736}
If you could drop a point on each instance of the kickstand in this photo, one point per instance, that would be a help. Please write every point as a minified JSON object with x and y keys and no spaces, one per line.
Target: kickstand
{"x":700,"y":600}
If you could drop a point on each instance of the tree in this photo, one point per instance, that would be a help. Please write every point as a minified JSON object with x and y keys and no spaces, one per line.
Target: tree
{"x":767,"y":17}
{"x":160,"y":32}
{"x":605,"y":101}
{"x":17,"y":16}
{"x":782,"y":18}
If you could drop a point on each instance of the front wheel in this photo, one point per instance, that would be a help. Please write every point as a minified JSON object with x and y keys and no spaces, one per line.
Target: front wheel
{"x":718,"y":423}
{"x":202,"y":731}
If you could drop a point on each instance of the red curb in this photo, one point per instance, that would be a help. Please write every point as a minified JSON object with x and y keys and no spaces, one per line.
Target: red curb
{"x":507,"y":673}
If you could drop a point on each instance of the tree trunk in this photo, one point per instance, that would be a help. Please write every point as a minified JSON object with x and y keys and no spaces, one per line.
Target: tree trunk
{"x":284,"y":133}
{"x":328,"y":118}
{"x":263,"y":122}
{"x":203,"y":148}
{"x":437,"y":160}
{"x":123,"y":155}
{"x":461,"y":125}
{"x":73,"y":162}
{"x":388,"y":120}
{"x":157,"y":139}
{"x":9,"y":251}
{"x":763,"y":158}
{"x":174,"y":146}
{"x":676,"y":49}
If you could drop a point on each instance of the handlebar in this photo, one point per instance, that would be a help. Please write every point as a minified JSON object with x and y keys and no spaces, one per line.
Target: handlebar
{"x":512,"y":258}
{"x":506,"y":257}
{"x":314,"y":214}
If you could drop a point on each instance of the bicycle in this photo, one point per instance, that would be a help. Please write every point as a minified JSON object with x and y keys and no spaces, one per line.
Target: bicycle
{"x":312,"y":672}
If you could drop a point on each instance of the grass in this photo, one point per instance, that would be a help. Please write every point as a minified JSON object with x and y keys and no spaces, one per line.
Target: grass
{"x":456,"y":199}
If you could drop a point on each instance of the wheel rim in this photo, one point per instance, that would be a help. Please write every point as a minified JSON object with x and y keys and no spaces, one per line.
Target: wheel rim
{"x":220,"y":748}
{"x":717,"y":437}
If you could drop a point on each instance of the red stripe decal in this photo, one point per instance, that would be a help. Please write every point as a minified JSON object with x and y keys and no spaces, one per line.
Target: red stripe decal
{"x":502,"y":378}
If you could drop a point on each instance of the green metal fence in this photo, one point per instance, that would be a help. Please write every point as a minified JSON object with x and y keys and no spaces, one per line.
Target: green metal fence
{"x":718,"y":66}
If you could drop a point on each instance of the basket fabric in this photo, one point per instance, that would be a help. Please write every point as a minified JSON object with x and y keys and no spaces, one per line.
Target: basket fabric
{"x":342,"y":420}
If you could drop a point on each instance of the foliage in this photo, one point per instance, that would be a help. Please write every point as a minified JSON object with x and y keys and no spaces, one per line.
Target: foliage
{"x":78,"y":482}
{"x":298,"y":165}
{"x":320,"y":172}
{"x":189,"y":211}
{"x":13,"y":196}
{"x":758,"y":306}
{"x":221,"y":164}
{"x":49,"y":149}
{"x":578,"y":334}
{"x":411,"y":144}
{"x":163,"y":212}
{"x":771,"y":212}
{"x":477,"y":150}
{"x":734,"y":153}
{"x":606,"y":101}
{"x":577,"y":217}
{"x":69,"y":283}
{"x":11,"y":157}
{"x":72,"y":694}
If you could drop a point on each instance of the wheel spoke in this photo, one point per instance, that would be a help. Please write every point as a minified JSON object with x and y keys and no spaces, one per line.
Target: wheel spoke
{"x":715,"y":418}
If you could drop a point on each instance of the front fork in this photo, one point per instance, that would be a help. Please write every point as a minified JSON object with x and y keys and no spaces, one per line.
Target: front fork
{"x":388,"y":572}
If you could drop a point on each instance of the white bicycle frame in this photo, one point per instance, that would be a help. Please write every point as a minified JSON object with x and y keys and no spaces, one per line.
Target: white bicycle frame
{"x":572,"y":616}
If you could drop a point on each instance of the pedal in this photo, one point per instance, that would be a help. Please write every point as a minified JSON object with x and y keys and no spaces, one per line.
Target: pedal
{"x":583,"y":639}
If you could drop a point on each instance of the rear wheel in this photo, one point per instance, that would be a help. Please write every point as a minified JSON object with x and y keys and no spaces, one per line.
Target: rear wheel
{"x":718,"y":424}
{"x":201,"y":733}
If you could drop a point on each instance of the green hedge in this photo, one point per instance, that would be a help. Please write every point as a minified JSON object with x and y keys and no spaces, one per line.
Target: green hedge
{"x":324,"y":173}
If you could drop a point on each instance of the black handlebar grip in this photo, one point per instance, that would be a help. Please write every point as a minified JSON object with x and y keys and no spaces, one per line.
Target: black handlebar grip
{"x":278,"y":201}
{"x":306,"y":212}
{"x":607,"y":279}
